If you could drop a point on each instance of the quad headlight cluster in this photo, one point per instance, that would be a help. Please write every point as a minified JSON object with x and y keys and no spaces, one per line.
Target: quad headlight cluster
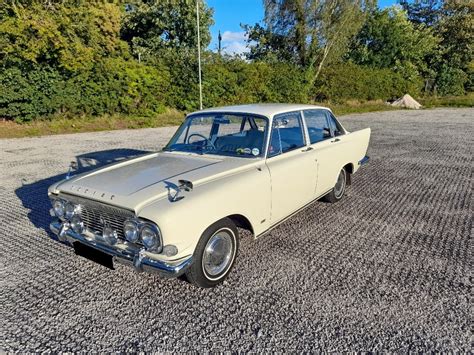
{"x":148,"y":233}
{"x":134,"y":230}
{"x":70,"y":212}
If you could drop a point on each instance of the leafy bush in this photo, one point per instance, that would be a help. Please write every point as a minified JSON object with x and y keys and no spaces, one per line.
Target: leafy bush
{"x":29,"y":93}
{"x":234,"y":81}
{"x":451,"y":81}
{"x":350,"y":81}
{"x":111,"y":86}
{"x":117,"y":86}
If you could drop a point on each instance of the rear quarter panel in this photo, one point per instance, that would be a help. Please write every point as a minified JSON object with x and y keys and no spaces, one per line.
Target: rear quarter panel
{"x":356,"y":147}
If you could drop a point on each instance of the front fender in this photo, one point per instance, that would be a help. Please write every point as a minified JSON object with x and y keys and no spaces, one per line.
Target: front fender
{"x":182,"y":222}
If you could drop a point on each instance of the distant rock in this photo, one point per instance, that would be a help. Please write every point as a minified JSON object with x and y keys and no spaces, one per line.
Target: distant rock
{"x":407,"y":101}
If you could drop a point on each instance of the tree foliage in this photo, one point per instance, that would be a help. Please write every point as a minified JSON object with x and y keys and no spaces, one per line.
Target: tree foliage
{"x":95,"y":57}
{"x":426,"y":12}
{"x":389,"y":40}
{"x":70,"y":35}
{"x":152,"y":27}
{"x":308,"y":33}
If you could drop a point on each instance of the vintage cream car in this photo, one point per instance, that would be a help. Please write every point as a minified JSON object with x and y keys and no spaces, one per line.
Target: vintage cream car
{"x":177,"y":211}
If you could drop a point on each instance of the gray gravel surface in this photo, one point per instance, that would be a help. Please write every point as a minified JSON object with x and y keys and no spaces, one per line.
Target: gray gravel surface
{"x":389,"y":268}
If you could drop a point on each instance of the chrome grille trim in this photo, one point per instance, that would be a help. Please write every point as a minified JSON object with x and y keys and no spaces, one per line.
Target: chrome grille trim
{"x":92,"y":212}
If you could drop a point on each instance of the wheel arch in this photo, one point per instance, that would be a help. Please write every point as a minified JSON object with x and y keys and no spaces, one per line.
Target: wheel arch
{"x":242,"y":222}
{"x":349,"y":168}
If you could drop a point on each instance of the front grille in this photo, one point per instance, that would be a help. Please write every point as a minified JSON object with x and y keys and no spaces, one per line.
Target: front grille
{"x":95,"y":214}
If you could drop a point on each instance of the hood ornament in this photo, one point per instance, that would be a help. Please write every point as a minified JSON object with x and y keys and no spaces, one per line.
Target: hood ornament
{"x":184,"y":185}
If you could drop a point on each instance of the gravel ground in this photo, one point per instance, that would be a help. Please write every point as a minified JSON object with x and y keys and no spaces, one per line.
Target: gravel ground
{"x":389,"y":268}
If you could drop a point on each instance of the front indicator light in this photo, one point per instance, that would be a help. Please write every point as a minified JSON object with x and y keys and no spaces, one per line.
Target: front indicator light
{"x":170,"y":250}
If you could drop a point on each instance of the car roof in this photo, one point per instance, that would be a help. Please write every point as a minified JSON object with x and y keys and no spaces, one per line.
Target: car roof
{"x":268,"y":110}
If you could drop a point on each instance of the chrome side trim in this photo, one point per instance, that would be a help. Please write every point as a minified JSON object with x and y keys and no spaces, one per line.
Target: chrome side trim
{"x":124,"y":253}
{"x":364,"y":160}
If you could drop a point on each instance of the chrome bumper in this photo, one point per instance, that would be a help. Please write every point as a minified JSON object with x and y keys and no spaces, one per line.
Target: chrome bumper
{"x":123,"y":253}
{"x":364,"y":160}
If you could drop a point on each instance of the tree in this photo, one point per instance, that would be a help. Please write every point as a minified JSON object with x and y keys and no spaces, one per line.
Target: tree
{"x":309,"y":33}
{"x":389,"y":40}
{"x":70,"y":35}
{"x":425,"y":12}
{"x":151,"y":26}
{"x":457,"y":30}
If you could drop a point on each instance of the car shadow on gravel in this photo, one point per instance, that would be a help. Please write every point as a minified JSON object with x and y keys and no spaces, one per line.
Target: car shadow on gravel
{"x":34,"y":196}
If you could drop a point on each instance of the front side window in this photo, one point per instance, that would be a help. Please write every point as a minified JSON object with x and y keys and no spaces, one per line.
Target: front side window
{"x":287,"y":134}
{"x":318,"y":125}
{"x":221,"y":134}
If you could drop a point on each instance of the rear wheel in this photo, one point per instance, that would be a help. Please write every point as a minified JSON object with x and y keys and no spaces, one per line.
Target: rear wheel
{"x":337,"y":193}
{"x":214,"y":255}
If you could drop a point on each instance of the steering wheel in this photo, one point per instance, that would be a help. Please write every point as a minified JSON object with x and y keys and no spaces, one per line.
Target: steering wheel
{"x":207,"y":140}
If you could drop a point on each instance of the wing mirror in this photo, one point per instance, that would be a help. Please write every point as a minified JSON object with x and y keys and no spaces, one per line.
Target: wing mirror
{"x":72,"y":167}
{"x":280,"y":123}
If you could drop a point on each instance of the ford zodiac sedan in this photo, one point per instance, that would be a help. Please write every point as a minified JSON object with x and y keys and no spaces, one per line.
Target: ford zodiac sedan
{"x":176,"y":211}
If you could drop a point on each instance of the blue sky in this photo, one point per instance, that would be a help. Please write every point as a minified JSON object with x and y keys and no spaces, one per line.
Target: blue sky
{"x":229,"y":14}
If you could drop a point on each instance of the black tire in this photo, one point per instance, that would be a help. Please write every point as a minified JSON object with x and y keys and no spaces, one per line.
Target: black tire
{"x":200,"y":273}
{"x":337,"y":193}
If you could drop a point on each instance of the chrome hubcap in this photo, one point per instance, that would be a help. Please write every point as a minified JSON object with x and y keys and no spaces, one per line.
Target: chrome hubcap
{"x":218,"y":253}
{"x":340,"y":184}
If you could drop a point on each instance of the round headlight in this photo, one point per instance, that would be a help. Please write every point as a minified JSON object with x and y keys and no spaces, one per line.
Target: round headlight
{"x":149,"y":235}
{"x":58,"y":207}
{"x":77,"y":224}
{"x":110,"y":236}
{"x":130,"y":230}
{"x":69,"y":210}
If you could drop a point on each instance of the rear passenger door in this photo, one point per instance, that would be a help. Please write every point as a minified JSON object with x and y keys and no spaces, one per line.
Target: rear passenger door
{"x":327,"y":139}
{"x":293,"y":170}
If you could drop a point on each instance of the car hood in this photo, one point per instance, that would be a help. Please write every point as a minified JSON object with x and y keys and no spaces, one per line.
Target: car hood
{"x":135,"y":183}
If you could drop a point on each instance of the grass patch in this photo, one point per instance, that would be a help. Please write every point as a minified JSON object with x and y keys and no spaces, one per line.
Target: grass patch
{"x":62,"y":125}
{"x":449,"y":101}
{"x":355,"y":106}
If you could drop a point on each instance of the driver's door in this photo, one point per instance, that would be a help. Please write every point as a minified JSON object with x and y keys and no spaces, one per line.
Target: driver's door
{"x":293,"y":169}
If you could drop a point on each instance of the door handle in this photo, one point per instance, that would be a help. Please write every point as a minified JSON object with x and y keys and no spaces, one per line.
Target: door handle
{"x":335,"y":140}
{"x":307,"y":149}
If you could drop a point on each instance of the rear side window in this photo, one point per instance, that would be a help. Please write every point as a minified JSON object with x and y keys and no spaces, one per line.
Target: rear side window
{"x":318,"y":125}
{"x":336,"y":129}
{"x":287,"y":134}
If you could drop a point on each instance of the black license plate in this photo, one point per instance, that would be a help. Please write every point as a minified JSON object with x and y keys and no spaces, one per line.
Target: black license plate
{"x":94,"y":255}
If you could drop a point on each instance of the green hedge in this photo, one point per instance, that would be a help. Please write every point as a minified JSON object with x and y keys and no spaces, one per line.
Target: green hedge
{"x":239,"y":82}
{"x":116,"y":85}
{"x":111,"y":86}
{"x":350,"y":81}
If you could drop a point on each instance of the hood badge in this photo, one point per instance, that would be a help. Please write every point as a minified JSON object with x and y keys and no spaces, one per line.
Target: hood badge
{"x":184,"y":185}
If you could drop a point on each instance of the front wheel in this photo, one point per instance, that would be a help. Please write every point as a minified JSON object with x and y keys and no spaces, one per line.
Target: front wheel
{"x":337,"y":193}
{"x":214,"y":255}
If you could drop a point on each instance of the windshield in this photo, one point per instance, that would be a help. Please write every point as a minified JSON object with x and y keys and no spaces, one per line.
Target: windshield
{"x":221,"y":134}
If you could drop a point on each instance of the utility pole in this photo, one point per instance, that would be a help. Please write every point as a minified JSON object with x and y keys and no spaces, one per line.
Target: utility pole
{"x":219,"y":38}
{"x":199,"y":54}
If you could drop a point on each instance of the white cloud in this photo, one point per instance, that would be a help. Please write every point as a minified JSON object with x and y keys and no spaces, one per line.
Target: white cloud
{"x":234,"y":43}
{"x":235,"y":48}
{"x":229,"y":36}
